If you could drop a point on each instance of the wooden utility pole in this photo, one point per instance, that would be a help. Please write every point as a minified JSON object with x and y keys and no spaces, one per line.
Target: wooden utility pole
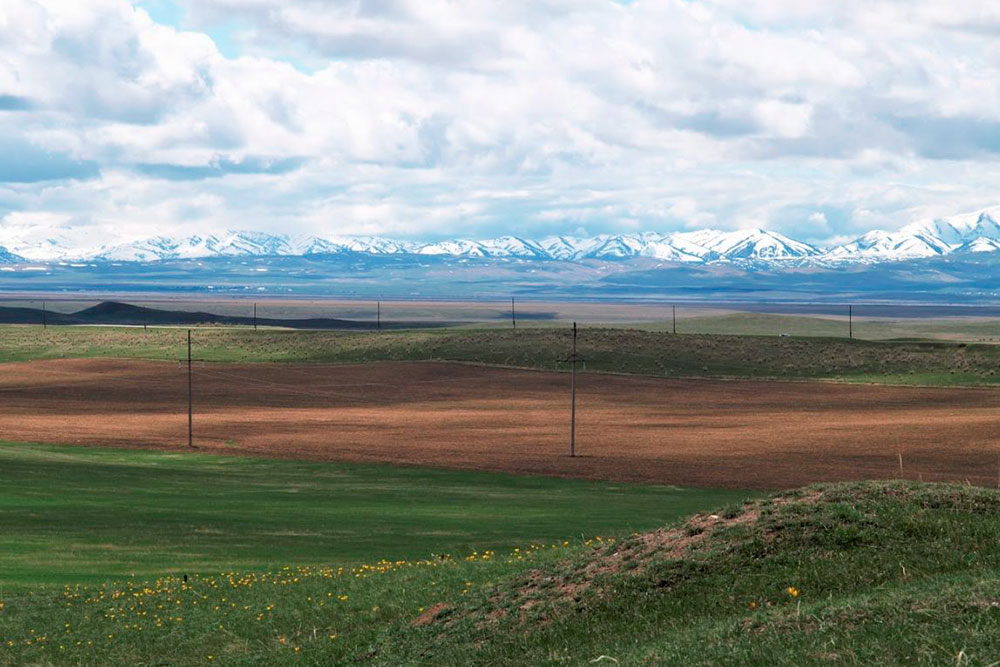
{"x":673,"y":309}
{"x":45,"y":324}
{"x":572,"y":419}
{"x":573,"y":358}
{"x":850,"y":321}
{"x":378,"y":314}
{"x":513,"y":319}
{"x":255,"y":316}
{"x":190,"y":402}
{"x":144,"y":318}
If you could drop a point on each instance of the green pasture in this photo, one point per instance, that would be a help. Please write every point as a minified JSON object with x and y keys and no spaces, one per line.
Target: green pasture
{"x":886,"y":573}
{"x":619,"y":350}
{"x":73,"y":515}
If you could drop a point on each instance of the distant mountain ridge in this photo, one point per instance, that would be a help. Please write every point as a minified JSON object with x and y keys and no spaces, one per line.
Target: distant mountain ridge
{"x":970,"y":233}
{"x":7,"y":257}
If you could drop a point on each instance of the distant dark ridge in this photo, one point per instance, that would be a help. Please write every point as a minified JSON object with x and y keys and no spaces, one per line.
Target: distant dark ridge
{"x":115,"y":312}
{"x":125,"y":314}
{"x":10,"y":315}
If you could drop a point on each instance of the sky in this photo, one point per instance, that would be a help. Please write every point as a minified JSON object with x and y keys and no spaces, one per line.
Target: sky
{"x":432,"y":119}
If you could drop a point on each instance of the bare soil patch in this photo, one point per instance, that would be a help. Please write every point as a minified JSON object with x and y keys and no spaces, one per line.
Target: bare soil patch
{"x":740,"y":434}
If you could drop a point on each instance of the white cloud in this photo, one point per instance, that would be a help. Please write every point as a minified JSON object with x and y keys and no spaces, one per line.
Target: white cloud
{"x":428,"y":118}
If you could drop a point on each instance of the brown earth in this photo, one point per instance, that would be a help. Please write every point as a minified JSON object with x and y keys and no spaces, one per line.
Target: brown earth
{"x":741,"y":434}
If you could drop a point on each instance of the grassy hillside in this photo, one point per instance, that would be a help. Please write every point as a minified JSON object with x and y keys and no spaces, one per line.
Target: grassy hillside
{"x":617,"y":350}
{"x":75,"y":515}
{"x":871,"y":573}
{"x":875,"y":574}
{"x":965,"y":329}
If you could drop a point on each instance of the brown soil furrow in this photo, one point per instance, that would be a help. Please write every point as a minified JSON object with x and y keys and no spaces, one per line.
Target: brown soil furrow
{"x":743,"y":434}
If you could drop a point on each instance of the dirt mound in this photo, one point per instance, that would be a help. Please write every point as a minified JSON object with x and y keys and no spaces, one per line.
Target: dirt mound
{"x":538,"y":596}
{"x":429,"y":615}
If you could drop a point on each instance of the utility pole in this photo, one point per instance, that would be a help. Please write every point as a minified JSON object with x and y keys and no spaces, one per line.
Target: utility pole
{"x":144,"y":318}
{"x":573,"y":358}
{"x":513,"y":319}
{"x":190,"y":403}
{"x":673,"y":309}
{"x":572,"y":418}
{"x":850,"y":321}
{"x":255,"y":316}
{"x":378,"y":314}
{"x":45,"y":324}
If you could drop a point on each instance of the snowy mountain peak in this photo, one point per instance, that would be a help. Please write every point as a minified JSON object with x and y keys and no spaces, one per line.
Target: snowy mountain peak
{"x":752,"y":244}
{"x":7,"y":257}
{"x":970,"y":233}
{"x":230,"y":243}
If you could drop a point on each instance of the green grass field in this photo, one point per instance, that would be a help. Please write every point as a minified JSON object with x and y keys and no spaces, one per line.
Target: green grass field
{"x":864,"y":328}
{"x":895,"y":573}
{"x":74,"y":515}
{"x":605,"y":349}
{"x":112,"y":557}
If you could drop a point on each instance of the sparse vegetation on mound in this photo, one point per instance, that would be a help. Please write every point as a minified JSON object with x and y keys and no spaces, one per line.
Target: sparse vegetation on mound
{"x":866,"y":573}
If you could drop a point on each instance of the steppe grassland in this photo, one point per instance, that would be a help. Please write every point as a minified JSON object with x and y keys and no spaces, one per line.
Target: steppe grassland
{"x":605,"y":349}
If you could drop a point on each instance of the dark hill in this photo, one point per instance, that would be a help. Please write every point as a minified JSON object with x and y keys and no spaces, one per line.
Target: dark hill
{"x":125,"y":314}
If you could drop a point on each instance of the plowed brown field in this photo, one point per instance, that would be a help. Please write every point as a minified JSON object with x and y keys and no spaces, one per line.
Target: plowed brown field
{"x":741,"y":434}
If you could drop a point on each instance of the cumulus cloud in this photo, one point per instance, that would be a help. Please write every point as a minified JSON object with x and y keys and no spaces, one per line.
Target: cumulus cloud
{"x":429,"y":118}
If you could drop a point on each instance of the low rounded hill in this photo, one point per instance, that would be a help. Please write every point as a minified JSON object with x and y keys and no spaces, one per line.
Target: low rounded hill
{"x":873,"y":573}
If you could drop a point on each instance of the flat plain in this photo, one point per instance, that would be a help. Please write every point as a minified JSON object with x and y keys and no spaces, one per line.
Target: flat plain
{"x":618,"y":350}
{"x":870,"y":321}
{"x":349,"y":500}
{"x":73,"y":515}
{"x":692,"y":432}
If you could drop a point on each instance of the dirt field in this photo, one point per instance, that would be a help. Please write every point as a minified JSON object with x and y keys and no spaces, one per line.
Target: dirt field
{"x":738,"y":434}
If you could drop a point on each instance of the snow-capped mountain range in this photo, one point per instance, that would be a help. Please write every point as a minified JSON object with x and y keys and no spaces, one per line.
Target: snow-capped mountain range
{"x":971,"y":233}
